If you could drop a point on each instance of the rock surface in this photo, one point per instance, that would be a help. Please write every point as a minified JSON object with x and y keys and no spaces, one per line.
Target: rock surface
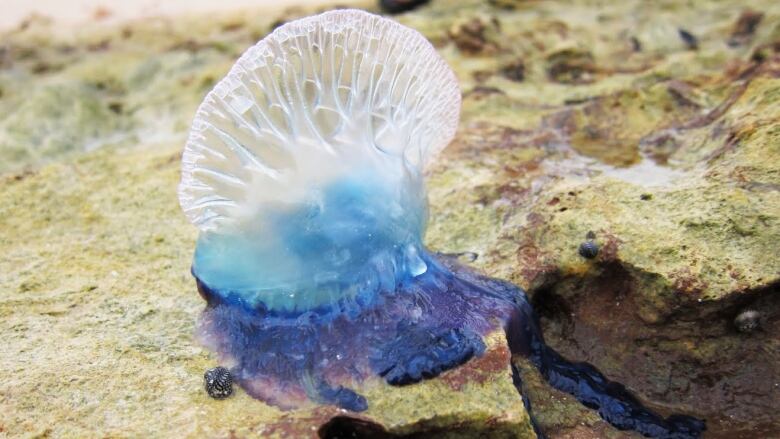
{"x":577,"y":118}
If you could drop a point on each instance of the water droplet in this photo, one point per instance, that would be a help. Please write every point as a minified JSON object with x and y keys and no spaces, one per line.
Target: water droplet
{"x":414,"y":262}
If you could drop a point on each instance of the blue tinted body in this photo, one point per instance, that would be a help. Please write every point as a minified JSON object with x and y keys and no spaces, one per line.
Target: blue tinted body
{"x":330,"y":291}
{"x":332,"y":253}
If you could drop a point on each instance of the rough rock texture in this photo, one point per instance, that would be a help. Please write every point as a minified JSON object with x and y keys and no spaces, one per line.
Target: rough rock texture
{"x":577,"y":117}
{"x":98,"y":313}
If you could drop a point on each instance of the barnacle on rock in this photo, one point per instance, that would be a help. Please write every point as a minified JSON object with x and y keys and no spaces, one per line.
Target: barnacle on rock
{"x":589,"y":249}
{"x":218,"y":382}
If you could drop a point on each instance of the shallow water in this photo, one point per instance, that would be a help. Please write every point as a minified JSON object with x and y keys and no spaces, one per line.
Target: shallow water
{"x":645,"y":173}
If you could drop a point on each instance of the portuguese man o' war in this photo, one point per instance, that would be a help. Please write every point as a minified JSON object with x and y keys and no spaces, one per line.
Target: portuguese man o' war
{"x":304,"y":173}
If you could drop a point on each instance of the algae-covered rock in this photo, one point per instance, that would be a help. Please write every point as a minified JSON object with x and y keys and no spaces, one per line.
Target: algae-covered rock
{"x":54,"y":120}
{"x":673,"y":166}
{"x":578,"y":117}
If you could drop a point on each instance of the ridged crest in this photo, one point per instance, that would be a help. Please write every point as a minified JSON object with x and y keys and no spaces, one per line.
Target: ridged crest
{"x":316,"y":99}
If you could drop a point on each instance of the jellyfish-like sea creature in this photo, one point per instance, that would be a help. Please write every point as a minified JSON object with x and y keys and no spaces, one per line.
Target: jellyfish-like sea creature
{"x":304,"y":173}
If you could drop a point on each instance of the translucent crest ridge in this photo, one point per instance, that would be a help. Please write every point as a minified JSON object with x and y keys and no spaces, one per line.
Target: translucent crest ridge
{"x":319,"y":98}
